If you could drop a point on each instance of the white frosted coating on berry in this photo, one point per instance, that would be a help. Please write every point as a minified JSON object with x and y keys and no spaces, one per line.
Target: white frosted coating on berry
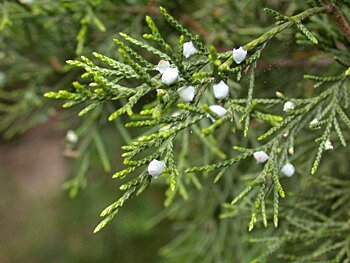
{"x":189,"y":49}
{"x":239,"y":54}
{"x":170,"y":76}
{"x":288,"y":169}
{"x":162,"y":66}
{"x":186,"y":93}
{"x":288,"y":106}
{"x":261,"y":156}
{"x":155,"y":168}
{"x":221,"y":90}
{"x":313,"y":122}
{"x":72,"y":137}
{"x":218,"y":110}
{"x":328,"y":145}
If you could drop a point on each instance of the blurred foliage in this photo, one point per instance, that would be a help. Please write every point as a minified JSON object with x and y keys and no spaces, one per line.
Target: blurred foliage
{"x":49,"y":227}
{"x":313,"y":218}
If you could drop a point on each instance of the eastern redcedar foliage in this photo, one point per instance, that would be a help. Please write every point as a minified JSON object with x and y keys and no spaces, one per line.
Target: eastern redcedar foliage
{"x":199,"y":147}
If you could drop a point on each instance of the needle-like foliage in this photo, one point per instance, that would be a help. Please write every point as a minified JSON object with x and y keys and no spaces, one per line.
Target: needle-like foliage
{"x":210,"y":145}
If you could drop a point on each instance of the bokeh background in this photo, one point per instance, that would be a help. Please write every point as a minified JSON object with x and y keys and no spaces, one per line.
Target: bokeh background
{"x":41,"y":223}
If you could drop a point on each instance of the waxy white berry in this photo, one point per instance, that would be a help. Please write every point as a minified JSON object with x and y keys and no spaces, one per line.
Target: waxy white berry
{"x":186,"y":93}
{"x":288,"y":169}
{"x":218,"y":110}
{"x":314,"y":122}
{"x":288,"y":106}
{"x":239,"y":54}
{"x":328,"y":145}
{"x":261,"y":156}
{"x":162,"y":66}
{"x":170,"y":76}
{"x":155,"y":168}
{"x":72,"y":137}
{"x":221,"y":90}
{"x":189,"y":49}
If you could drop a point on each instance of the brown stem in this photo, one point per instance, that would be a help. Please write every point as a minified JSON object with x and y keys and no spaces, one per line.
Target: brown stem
{"x":339,"y":19}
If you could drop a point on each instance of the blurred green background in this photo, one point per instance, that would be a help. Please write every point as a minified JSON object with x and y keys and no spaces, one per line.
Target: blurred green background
{"x":40,"y":223}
